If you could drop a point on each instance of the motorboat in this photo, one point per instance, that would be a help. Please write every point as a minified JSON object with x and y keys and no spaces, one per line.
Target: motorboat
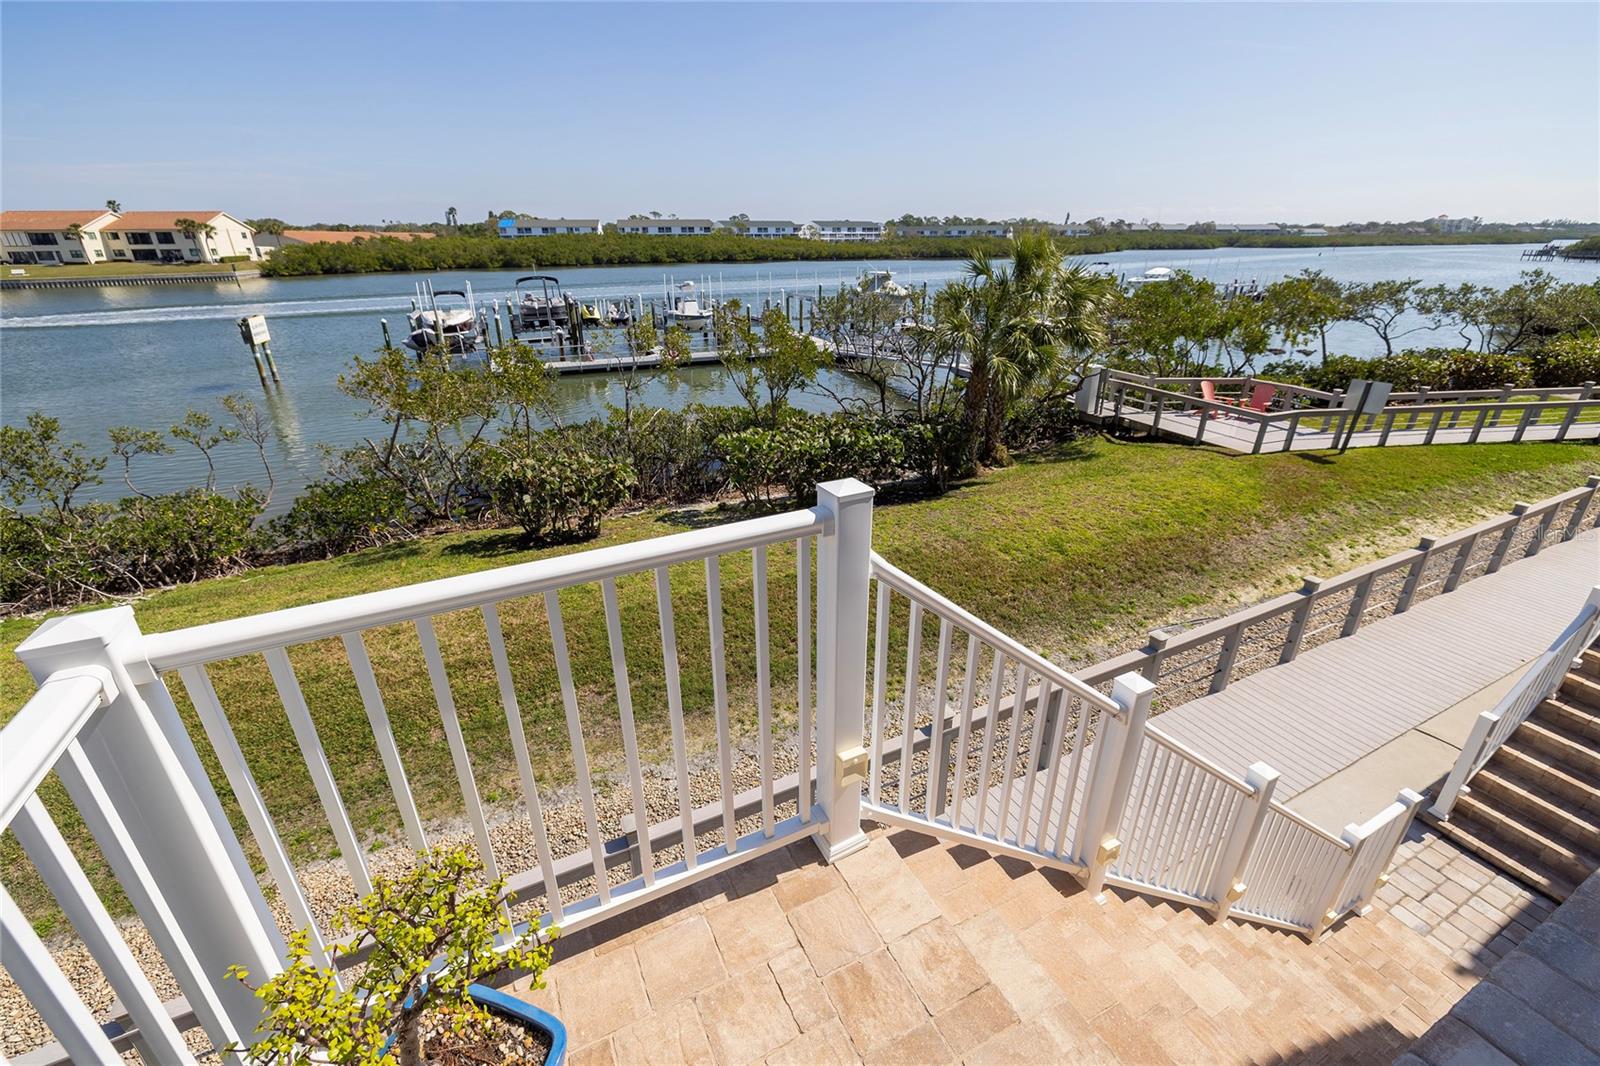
{"x":538,"y":304}
{"x":882,"y":283}
{"x":1151,"y":277}
{"x":687,"y":312}
{"x":443,"y":319}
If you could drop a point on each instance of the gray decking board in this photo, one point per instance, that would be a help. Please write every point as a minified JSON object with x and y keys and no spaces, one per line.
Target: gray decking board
{"x":1240,"y":436}
{"x":1343,"y":699}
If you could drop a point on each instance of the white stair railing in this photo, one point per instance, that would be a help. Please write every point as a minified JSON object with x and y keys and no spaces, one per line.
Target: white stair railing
{"x":1494,"y":727}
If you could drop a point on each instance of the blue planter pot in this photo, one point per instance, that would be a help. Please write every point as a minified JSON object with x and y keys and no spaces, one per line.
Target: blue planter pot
{"x":527,"y":1014}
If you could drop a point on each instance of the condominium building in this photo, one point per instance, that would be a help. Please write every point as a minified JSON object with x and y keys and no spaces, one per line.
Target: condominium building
{"x":765,"y":227}
{"x":529,"y":226}
{"x":54,"y":236}
{"x":666,"y":227}
{"x":847,"y":229}
{"x":960,"y":229}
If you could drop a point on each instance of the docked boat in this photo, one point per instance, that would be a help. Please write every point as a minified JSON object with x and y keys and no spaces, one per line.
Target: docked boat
{"x":687,"y":312}
{"x":1150,"y":277}
{"x":538,"y":304}
{"x":443,"y":319}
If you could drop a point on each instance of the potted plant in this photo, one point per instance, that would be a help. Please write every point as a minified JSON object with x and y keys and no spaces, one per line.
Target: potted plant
{"x":429,"y":938}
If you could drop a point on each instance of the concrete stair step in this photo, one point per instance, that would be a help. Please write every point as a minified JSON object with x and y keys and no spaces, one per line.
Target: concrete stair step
{"x":1566,"y":749}
{"x":1482,"y":841}
{"x":1519,"y":762}
{"x":1573,"y":717}
{"x":1551,"y":851}
{"x":1575,"y":825}
{"x":1582,"y":688}
{"x":1589,"y":663}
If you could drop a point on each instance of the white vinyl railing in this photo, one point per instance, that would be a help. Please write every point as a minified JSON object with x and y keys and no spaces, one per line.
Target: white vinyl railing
{"x":1050,"y":769}
{"x":1494,"y":727}
{"x":1003,"y":748}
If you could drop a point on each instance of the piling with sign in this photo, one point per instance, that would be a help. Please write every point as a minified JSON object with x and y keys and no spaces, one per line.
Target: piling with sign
{"x":253,"y":328}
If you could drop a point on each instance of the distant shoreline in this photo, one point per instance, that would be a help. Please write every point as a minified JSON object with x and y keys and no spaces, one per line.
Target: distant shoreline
{"x":453,"y":253}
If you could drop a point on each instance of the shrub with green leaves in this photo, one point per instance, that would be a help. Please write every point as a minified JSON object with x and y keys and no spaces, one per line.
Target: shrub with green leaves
{"x":554,"y":490}
{"x":1568,"y":361}
{"x":806,"y":449}
{"x":430,"y":936}
{"x":333,"y":517}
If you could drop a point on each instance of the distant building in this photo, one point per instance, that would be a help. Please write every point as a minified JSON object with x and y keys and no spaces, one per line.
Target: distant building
{"x":846,"y":229}
{"x":267,"y":243}
{"x":1068,"y":229}
{"x":1249,"y":227}
{"x":959,"y":229}
{"x":1312,"y":231}
{"x":129,"y":237}
{"x":1456,"y":225}
{"x":666,"y":227}
{"x":528,"y":226}
{"x":765,"y":227}
{"x":54,"y":236}
{"x":157,"y":237}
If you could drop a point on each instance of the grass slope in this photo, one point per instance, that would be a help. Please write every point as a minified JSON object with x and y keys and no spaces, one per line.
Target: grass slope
{"x":1074,"y":553}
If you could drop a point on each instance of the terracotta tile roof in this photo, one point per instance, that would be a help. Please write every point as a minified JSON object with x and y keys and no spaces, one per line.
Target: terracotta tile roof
{"x":347,"y":236}
{"x":47,"y":220}
{"x":137,"y":220}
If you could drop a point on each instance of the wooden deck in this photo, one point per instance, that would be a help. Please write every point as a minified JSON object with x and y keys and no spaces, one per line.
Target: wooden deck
{"x":1241,"y":435}
{"x":1344,"y":699}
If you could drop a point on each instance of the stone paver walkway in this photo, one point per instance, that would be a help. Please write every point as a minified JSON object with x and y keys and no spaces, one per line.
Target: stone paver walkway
{"x":918,"y":950}
{"x":1464,"y":907}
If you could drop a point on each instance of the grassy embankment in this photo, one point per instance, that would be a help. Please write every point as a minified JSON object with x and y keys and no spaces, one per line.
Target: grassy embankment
{"x":1074,"y":553}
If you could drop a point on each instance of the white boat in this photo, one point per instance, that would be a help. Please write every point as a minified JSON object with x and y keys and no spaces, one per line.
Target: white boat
{"x":882,"y":282}
{"x":448,"y":325}
{"x":541,"y":306}
{"x":1151,"y":276}
{"x":687,"y":312}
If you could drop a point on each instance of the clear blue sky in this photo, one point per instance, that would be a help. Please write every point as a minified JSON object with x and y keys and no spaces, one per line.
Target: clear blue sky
{"x":361,"y":112}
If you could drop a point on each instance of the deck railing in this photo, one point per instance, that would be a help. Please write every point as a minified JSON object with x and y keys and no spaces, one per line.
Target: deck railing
{"x":1313,"y":414}
{"x":990,"y":743}
{"x":1494,"y":727}
{"x":1208,"y":657}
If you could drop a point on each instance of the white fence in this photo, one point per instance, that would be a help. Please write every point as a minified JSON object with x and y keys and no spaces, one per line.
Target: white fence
{"x":1495,"y":726}
{"x":1052,"y":770}
{"x":1004,"y":748}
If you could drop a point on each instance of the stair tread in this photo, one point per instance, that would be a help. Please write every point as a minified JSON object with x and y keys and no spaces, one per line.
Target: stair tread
{"x":1559,"y":734}
{"x":1490,"y":813}
{"x":1483,"y":841}
{"x":1548,"y":800}
{"x":1513,"y":753}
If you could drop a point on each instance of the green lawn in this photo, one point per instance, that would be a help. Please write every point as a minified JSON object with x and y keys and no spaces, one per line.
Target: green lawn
{"x":1075,"y":553}
{"x":45,"y":272}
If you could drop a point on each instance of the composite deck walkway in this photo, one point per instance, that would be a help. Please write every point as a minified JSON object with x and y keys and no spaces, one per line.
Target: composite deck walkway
{"x":1344,"y":699}
{"x":1240,"y":435}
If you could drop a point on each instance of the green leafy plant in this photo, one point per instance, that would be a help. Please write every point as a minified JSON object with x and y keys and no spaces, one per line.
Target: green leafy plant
{"x":431,"y":936}
{"x":555,"y":490}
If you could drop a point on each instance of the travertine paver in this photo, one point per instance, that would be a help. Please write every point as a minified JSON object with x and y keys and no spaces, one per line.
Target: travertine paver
{"x":1539,"y":1004}
{"x":992,"y":961}
{"x":1464,"y":907}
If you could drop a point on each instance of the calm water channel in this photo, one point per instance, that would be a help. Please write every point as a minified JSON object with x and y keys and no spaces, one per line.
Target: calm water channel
{"x":95,"y":358}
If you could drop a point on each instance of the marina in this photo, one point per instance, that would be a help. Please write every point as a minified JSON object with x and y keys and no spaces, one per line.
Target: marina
{"x":169,"y":348}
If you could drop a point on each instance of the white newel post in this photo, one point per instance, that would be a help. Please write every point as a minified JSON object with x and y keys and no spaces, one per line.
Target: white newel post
{"x":844,"y":560}
{"x":1116,"y":755}
{"x":173,"y":819}
{"x":1465,"y":766}
{"x":1228,"y":885}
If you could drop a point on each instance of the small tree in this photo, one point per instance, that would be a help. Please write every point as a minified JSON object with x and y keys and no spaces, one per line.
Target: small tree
{"x":431,"y":934}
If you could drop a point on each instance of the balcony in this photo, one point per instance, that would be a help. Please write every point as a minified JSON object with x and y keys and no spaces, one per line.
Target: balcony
{"x":880,"y":827}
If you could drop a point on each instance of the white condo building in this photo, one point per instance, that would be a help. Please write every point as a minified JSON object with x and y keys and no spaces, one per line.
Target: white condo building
{"x":846,"y":229}
{"x":666,"y":227}
{"x":52,"y":237}
{"x":528,"y":226}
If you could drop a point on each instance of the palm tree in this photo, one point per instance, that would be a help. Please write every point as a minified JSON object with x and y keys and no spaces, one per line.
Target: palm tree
{"x":1012,"y":324}
{"x":114,"y":206}
{"x":450,"y":217}
{"x":194,"y":230}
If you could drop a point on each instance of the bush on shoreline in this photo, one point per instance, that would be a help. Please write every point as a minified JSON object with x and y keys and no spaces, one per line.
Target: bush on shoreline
{"x":389,"y":255}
